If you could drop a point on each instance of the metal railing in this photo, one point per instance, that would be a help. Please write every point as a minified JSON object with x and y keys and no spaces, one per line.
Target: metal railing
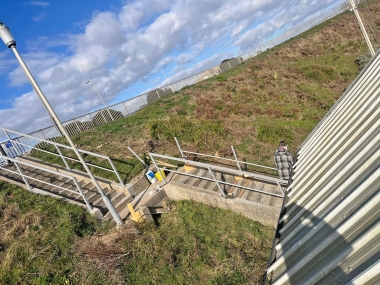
{"x":128,"y":107}
{"x":235,"y":160}
{"x":27,"y":143}
{"x":27,"y":178}
{"x":214,"y":168}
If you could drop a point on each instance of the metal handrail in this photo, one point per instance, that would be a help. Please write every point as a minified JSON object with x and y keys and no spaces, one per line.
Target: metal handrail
{"x":222,"y":158}
{"x":63,"y":157}
{"x":24,"y":177}
{"x":212,"y":168}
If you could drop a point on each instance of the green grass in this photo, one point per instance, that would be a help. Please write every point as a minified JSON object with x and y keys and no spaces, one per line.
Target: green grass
{"x":37,"y":233}
{"x":48,"y":241}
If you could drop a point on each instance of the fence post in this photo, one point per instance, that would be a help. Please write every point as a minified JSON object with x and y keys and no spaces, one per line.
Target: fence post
{"x":179,"y":147}
{"x":126,"y":108}
{"x":157,"y":168}
{"x":22,"y":175}
{"x":63,"y":158}
{"x":76,"y":123}
{"x":142,"y":100}
{"x":115,"y":170}
{"x":42,"y":134}
{"x":216,"y":181}
{"x":81,"y":192}
{"x":237,"y":162}
{"x":138,"y":157}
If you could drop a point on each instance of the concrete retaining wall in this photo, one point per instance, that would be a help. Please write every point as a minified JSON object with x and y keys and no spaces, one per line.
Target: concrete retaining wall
{"x":257,"y":212}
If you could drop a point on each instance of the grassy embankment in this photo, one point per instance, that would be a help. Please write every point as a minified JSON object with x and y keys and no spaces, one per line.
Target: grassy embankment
{"x":281,"y":94}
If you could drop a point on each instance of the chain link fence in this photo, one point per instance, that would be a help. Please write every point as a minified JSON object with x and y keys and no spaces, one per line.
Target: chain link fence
{"x":128,"y":107}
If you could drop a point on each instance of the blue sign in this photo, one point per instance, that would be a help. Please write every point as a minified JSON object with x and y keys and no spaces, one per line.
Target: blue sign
{"x":8,"y":144}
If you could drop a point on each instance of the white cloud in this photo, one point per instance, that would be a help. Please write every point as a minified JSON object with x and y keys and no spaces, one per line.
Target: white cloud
{"x":40,"y":17}
{"x":117,"y":49}
{"x":37,"y":3}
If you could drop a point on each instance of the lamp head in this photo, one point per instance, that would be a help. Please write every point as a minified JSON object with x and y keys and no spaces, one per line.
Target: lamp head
{"x":6,"y":36}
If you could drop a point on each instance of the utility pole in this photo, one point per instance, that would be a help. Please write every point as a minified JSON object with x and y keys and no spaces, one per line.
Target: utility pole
{"x":355,"y":9}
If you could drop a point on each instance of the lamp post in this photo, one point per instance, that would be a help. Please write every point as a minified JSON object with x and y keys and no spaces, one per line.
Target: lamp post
{"x":162,"y":69}
{"x":109,"y":113}
{"x":9,"y":41}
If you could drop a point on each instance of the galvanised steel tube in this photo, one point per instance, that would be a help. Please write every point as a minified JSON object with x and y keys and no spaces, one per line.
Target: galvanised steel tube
{"x":9,"y":41}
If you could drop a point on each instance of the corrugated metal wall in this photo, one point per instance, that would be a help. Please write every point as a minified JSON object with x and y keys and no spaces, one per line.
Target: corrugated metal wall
{"x":329,"y":229}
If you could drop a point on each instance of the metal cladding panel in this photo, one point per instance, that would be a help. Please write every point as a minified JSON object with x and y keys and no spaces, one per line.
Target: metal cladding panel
{"x":329,"y":229}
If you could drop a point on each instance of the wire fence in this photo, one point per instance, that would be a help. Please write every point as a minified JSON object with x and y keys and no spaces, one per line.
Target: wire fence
{"x":128,"y":107}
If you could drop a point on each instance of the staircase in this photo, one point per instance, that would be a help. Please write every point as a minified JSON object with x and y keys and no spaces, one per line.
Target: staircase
{"x":66,"y":188}
{"x":259,"y":191}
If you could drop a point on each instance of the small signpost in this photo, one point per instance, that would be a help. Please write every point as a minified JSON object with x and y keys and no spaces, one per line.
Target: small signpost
{"x":8,"y":144}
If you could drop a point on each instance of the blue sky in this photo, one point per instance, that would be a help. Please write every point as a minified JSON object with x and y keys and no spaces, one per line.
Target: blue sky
{"x":123,"y":45}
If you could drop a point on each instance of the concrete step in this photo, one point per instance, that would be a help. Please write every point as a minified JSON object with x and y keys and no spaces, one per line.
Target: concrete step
{"x":266,"y":199}
{"x":212,"y":186}
{"x":247,"y":193}
{"x":235,"y":189}
{"x":256,"y":195}
{"x":202,"y":182}
{"x":195,"y":180}
{"x":191,"y":180}
{"x":184,"y":178}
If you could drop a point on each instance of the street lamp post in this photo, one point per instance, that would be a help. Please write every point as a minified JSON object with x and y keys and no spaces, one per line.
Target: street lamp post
{"x":162,"y":69}
{"x":9,"y":41}
{"x":109,"y":113}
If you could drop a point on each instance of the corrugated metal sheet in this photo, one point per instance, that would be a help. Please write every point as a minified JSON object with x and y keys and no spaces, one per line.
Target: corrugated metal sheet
{"x":329,"y":229}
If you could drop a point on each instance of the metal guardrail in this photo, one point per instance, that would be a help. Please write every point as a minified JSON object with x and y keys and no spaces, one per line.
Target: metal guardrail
{"x":27,"y":143}
{"x":25,"y":178}
{"x":213,"y":168}
{"x":236,"y":161}
{"x":128,"y":107}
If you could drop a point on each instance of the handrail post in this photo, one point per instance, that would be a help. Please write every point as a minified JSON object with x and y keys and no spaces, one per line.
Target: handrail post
{"x":158,"y":169}
{"x":81,"y":192}
{"x":179,"y":147}
{"x":237,"y":161}
{"x":23,"y":177}
{"x":216,"y":181}
{"x":279,"y":186}
{"x":116,"y":172}
{"x":138,"y":157}
{"x":63,"y":158}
